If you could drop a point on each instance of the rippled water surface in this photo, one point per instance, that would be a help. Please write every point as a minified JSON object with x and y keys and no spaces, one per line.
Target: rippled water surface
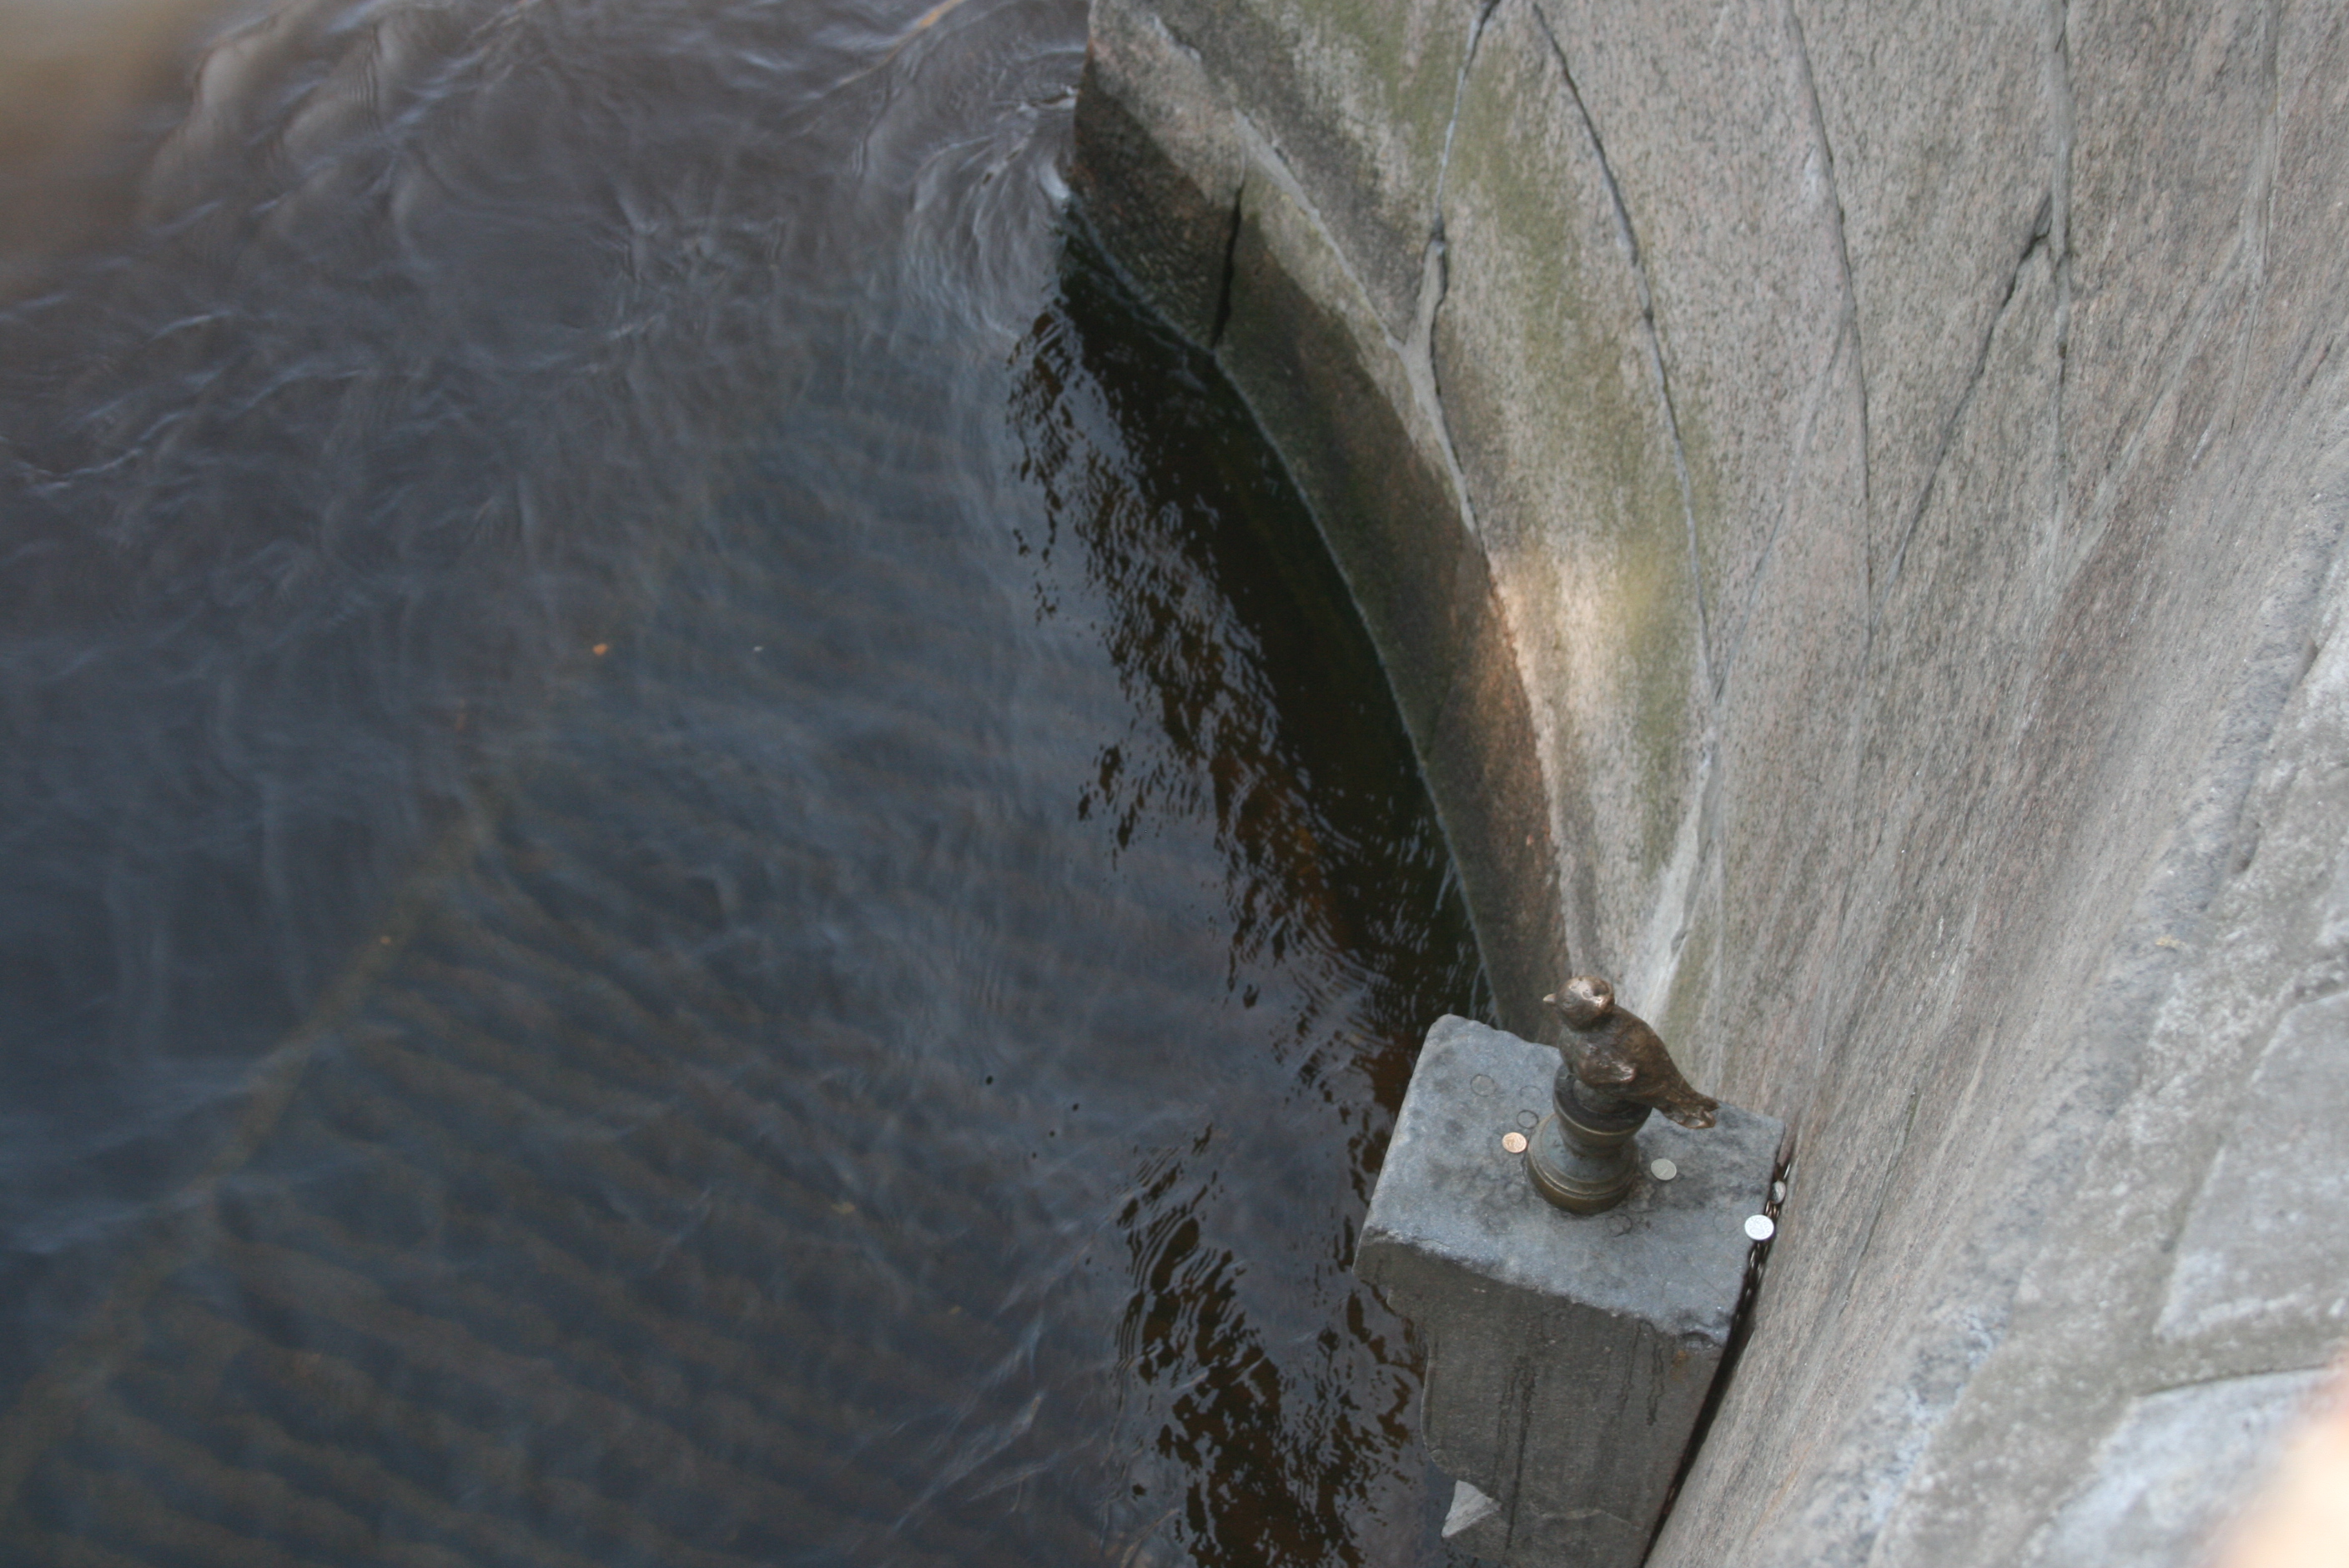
{"x":696,"y":866}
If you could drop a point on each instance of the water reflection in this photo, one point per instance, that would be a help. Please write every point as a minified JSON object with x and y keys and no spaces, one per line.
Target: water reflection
{"x":699,"y":868}
{"x":1279,"y":1390}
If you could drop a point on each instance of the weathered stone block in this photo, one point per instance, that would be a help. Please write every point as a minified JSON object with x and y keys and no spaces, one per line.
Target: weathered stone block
{"x":1568,"y":1357}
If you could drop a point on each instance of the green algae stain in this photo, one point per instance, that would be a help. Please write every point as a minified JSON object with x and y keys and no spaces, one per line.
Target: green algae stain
{"x":1412,"y":52}
{"x":1589,"y":477}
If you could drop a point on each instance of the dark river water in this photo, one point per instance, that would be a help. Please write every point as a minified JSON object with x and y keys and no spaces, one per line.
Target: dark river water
{"x":698,"y":866}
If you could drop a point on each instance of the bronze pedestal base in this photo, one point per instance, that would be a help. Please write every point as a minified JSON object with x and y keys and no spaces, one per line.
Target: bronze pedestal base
{"x":1581,"y":1156}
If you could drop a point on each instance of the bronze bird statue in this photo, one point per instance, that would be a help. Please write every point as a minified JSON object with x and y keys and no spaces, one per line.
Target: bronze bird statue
{"x":1617,"y":1057}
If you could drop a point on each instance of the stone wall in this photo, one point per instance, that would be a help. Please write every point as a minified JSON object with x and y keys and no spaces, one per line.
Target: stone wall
{"x":1850,"y":498}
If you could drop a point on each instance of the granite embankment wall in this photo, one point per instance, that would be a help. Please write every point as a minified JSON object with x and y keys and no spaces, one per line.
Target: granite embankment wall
{"x":1851,"y":500}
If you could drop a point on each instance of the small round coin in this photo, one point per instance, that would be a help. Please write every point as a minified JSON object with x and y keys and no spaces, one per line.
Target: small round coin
{"x":1760,"y":1227}
{"x":1663,"y":1170}
{"x":1515,"y":1142}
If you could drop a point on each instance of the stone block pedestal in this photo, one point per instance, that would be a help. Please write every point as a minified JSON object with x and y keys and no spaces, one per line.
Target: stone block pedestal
{"x":1568,"y":1357}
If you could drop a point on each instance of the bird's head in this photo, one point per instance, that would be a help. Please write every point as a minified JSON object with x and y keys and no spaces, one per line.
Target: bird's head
{"x":1584,"y":1002}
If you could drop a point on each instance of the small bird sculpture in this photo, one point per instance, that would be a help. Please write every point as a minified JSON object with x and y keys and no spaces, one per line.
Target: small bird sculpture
{"x":1616,"y":1055}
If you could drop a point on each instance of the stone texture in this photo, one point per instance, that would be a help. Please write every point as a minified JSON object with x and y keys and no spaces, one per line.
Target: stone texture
{"x":1568,"y":1356}
{"x":2152,"y":1486}
{"x":1160,"y":181}
{"x":1352,"y":101}
{"x":2261,"y":1247}
{"x":1852,"y":511}
{"x":1211,"y":197}
{"x":1544,"y":355}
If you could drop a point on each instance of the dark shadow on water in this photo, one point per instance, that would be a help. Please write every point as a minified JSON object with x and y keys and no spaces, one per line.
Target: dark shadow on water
{"x":1259,"y":705}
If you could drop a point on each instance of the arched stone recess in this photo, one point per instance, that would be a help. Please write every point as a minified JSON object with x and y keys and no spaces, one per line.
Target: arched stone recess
{"x":1212,"y":220}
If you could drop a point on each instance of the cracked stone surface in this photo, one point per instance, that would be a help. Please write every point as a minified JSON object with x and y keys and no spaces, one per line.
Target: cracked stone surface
{"x":1851,"y":500}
